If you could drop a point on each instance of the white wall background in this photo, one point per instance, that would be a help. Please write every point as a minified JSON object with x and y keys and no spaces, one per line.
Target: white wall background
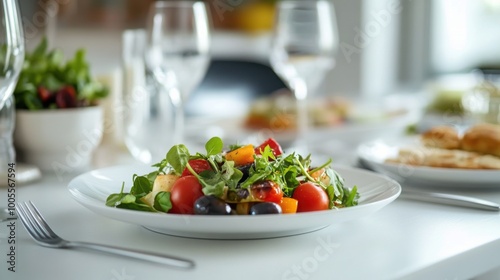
{"x":368,"y":58}
{"x":465,"y":35}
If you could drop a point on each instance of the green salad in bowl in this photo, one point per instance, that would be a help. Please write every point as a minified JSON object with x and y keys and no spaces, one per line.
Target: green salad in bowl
{"x":47,"y":81}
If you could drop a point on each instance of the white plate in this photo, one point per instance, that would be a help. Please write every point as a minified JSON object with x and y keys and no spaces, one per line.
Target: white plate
{"x":373,"y":155}
{"x":92,"y":188}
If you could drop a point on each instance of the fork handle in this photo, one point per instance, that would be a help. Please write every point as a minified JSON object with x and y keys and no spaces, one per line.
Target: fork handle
{"x":137,"y":254}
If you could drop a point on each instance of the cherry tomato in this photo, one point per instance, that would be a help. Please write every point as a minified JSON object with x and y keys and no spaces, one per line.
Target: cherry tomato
{"x":273,"y":144}
{"x":185,"y":192}
{"x":289,"y":205}
{"x":267,"y":191}
{"x":311,"y":197}
{"x":198,"y":165}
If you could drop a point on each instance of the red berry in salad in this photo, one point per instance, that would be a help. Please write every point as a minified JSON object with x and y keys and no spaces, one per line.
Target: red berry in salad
{"x":66,"y":97}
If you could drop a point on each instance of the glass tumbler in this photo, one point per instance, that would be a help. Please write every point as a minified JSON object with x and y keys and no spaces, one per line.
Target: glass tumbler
{"x":147,"y":114}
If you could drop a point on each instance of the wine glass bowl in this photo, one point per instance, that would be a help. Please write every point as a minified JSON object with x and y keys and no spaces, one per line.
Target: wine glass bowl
{"x":177,"y":52}
{"x":11,"y":48}
{"x":305,"y":41}
{"x":303,"y":49}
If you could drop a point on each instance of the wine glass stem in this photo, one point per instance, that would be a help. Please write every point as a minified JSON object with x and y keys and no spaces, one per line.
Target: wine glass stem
{"x":300,"y":92}
{"x":303,"y":118}
{"x":176,"y":97}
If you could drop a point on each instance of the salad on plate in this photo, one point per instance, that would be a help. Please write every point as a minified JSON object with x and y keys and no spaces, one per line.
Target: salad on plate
{"x":240,"y":180}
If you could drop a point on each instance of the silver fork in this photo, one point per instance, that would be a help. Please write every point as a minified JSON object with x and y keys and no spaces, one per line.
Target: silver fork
{"x":38,"y":228}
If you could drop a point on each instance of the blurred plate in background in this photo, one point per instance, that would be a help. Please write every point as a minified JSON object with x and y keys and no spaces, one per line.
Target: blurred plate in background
{"x":366,"y":119}
{"x":373,"y":155}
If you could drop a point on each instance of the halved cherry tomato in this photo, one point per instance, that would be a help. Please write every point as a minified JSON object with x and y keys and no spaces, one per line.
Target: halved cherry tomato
{"x":185,"y":192}
{"x":289,"y":205}
{"x":267,"y":191}
{"x":198,"y":165}
{"x":242,"y":156}
{"x":311,"y":197}
{"x":273,"y":144}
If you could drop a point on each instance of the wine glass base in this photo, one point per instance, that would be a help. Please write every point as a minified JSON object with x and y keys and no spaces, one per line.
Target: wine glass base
{"x":25,"y":173}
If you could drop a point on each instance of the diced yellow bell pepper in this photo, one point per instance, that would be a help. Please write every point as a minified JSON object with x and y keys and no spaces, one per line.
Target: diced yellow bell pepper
{"x":242,"y":156}
{"x":289,"y":205}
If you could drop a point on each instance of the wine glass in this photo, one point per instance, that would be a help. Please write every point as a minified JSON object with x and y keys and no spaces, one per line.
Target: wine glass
{"x":11,"y":62}
{"x":303,"y":46}
{"x":178,"y":51}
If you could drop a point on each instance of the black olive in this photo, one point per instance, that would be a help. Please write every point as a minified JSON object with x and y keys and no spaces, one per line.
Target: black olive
{"x":246,"y":170}
{"x":265,"y":208}
{"x":211,"y":205}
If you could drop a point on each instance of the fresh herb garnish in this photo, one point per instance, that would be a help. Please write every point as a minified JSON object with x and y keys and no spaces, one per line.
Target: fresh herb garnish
{"x":129,"y":200}
{"x":178,"y":157}
{"x":162,"y":202}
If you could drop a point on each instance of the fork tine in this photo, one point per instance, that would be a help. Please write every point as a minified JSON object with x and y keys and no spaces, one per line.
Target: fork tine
{"x":28,"y":224}
{"x":40,"y":222}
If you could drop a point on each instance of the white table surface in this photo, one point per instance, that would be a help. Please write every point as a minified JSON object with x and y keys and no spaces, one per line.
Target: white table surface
{"x":404,"y":240}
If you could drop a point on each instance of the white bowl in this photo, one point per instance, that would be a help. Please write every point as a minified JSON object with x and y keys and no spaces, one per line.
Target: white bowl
{"x":59,"y":140}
